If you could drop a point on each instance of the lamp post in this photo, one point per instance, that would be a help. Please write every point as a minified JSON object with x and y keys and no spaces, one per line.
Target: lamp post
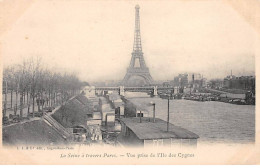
{"x":153,"y":104}
{"x":168,"y":97}
{"x":168,"y":116}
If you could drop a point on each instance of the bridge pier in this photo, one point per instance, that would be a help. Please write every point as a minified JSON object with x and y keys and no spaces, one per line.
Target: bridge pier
{"x":155,"y":91}
{"x":122,"y":91}
{"x":176,"y":89}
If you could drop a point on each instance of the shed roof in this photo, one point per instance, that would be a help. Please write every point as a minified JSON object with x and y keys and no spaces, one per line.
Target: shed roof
{"x":106,"y":107}
{"x":157,"y":130}
{"x":96,"y":116}
{"x":117,"y":104}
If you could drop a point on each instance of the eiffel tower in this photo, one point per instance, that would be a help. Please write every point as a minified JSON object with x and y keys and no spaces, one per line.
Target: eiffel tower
{"x":137,"y":73}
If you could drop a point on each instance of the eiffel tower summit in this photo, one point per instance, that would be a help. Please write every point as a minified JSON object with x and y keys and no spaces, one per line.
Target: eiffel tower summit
{"x":137,"y":73}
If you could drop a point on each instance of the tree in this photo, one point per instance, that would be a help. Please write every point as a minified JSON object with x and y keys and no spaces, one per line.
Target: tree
{"x":31,"y":81}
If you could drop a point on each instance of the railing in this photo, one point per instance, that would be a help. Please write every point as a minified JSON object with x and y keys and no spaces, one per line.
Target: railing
{"x":107,"y":88}
{"x":134,"y":88}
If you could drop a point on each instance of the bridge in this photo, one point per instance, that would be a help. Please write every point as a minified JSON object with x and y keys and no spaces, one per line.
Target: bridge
{"x":121,"y":89}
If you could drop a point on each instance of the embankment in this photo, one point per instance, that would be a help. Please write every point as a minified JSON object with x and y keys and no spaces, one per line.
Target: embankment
{"x":36,"y":132}
{"x":45,"y":130}
{"x":74,"y":112}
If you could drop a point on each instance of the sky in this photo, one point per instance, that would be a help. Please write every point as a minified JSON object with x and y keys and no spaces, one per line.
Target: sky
{"x":95,"y":38}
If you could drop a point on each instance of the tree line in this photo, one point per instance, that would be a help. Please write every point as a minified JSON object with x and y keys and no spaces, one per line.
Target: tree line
{"x":30,"y":84}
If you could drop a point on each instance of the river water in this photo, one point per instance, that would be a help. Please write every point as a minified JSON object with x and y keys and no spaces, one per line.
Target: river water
{"x":214,"y":122}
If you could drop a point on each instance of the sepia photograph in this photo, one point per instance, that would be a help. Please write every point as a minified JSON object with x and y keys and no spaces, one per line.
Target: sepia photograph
{"x":129,"y":82}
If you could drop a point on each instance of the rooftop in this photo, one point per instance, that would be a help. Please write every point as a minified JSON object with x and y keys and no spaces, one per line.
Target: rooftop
{"x":114,"y":96}
{"x":117,"y":104}
{"x":157,"y":130}
{"x":96,"y":116}
{"x":106,"y":107}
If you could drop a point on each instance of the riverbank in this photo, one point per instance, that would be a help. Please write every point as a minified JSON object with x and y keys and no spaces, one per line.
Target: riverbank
{"x":36,"y":132}
{"x":205,"y":94}
{"x":40,"y":130}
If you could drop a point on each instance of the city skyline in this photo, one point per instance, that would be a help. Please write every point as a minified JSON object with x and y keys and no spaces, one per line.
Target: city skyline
{"x":196,"y":39}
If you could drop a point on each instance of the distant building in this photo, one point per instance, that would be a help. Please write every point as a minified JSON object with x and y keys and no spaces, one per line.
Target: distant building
{"x":189,"y":80}
{"x":242,"y":82}
{"x":227,"y":81}
{"x":181,"y":80}
{"x":204,"y":82}
{"x":89,"y":91}
{"x":194,"y":77}
{"x":215,"y":83}
{"x":166,"y":84}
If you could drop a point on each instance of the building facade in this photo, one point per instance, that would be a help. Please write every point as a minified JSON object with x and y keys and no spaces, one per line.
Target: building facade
{"x":242,"y":82}
{"x":189,"y":80}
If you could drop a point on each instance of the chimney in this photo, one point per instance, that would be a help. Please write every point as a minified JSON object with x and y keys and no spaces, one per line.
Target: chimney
{"x":153,"y":104}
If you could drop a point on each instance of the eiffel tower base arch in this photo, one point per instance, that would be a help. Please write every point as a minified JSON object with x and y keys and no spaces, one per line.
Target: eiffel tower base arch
{"x":132,"y":79}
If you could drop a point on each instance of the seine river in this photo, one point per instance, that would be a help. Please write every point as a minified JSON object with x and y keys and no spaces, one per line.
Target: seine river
{"x":214,"y":122}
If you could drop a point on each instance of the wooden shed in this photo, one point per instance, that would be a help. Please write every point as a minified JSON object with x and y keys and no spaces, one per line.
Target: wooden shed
{"x":148,"y":133}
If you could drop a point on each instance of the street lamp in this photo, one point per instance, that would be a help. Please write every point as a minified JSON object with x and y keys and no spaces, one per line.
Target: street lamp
{"x":153,"y":104}
{"x":168,"y":117}
{"x":168,"y":97}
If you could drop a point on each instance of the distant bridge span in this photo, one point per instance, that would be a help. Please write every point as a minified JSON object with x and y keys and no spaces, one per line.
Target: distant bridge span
{"x":153,"y":89}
